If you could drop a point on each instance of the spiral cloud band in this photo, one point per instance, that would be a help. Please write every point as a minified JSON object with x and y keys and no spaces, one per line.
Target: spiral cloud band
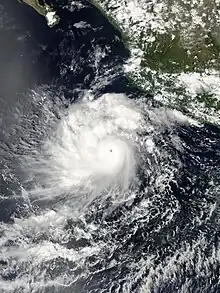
{"x":91,"y":150}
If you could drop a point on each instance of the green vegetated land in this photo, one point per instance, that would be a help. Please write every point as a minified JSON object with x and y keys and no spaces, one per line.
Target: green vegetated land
{"x":188,"y":47}
{"x":168,"y":53}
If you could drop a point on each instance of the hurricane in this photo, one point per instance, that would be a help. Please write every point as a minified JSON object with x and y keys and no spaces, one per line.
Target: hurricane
{"x":78,"y":158}
{"x":102,"y":188}
{"x":92,"y":150}
{"x":101,"y":182}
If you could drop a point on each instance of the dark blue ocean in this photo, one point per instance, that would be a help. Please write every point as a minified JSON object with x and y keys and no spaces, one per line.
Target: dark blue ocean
{"x":164,"y":240}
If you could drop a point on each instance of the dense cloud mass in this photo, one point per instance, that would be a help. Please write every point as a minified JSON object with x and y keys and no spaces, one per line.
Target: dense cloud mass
{"x":92,"y":149}
{"x":102,"y":189}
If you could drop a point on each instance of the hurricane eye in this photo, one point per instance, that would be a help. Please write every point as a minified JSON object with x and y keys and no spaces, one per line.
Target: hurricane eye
{"x":111,"y":151}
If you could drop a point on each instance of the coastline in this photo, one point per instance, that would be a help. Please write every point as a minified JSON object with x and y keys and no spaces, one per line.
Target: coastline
{"x":175,"y":62}
{"x":173,"y":55}
{"x":124,"y":35}
{"x":45,"y":10}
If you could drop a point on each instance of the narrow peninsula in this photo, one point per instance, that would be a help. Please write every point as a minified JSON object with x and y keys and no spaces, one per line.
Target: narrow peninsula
{"x":45,"y":10}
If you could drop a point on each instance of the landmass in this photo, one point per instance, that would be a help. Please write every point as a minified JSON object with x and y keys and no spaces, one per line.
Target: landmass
{"x":174,"y":49}
{"x":45,"y":10}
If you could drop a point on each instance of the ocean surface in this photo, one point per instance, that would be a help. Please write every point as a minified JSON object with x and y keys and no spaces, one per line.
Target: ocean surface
{"x":101,"y":188}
